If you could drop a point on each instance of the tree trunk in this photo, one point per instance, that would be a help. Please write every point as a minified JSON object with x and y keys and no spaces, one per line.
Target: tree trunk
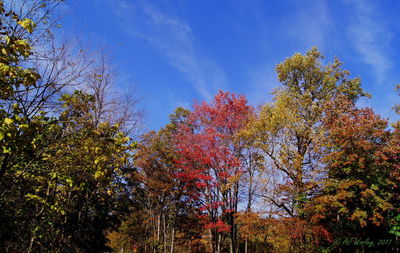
{"x":233,"y":223}
{"x":213,"y":241}
{"x":219,"y":243}
{"x":172,"y":239}
{"x":158,"y":227}
{"x":250,"y":192}
{"x":164,"y":235}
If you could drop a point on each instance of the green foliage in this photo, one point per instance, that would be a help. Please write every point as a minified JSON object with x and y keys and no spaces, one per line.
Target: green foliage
{"x":395,"y":228}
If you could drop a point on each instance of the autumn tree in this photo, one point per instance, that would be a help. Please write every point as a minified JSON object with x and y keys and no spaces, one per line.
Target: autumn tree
{"x":14,"y":51}
{"x":72,"y":191}
{"x":59,"y":63}
{"x":19,"y":134}
{"x":155,"y":160}
{"x":210,"y":162}
{"x":358,"y":197}
{"x":288,"y":131}
{"x":60,"y":175}
{"x":161,"y":220}
{"x":253,"y":230}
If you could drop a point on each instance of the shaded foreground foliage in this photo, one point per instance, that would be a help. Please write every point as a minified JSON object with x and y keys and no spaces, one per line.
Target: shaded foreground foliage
{"x":308,"y":172}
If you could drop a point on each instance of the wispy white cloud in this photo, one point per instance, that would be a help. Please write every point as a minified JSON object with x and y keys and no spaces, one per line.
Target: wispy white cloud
{"x":370,"y":37}
{"x":305,"y":24}
{"x":174,"y":39}
{"x":308,"y":24}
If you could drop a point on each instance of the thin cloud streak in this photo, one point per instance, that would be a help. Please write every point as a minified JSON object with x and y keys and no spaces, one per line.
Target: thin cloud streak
{"x":370,"y":38}
{"x":309,"y":24}
{"x":174,"y":38}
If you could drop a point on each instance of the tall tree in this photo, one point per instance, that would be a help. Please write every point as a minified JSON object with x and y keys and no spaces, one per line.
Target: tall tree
{"x":210,"y":161}
{"x":19,"y":135}
{"x":288,"y":131}
{"x":163,"y":220}
{"x":59,"y":175}
{"x":71,"y":192}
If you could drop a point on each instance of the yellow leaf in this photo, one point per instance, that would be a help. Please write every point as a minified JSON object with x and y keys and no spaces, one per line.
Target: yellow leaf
{"x":8,"y":121}
{"x":27,"y":24}
{"x":98,"y":175}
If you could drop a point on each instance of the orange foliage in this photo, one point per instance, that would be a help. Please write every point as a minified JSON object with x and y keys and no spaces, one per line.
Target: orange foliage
{"x":296,"y":235}
{"x":282,"y":235}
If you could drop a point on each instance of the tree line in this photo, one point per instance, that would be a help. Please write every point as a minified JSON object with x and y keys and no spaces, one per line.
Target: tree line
{"x":308,"y":172}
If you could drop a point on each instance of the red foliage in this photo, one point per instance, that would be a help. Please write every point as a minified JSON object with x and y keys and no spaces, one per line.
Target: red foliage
{"x":208,"y":159}
{"x":220,"y":226}
{"x":359,"y":136}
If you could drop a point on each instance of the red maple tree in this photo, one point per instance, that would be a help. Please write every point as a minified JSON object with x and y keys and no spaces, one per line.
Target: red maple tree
{"x":209,"y":160}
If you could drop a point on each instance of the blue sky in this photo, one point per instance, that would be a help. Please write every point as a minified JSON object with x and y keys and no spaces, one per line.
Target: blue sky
{"x":171,"y":53}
